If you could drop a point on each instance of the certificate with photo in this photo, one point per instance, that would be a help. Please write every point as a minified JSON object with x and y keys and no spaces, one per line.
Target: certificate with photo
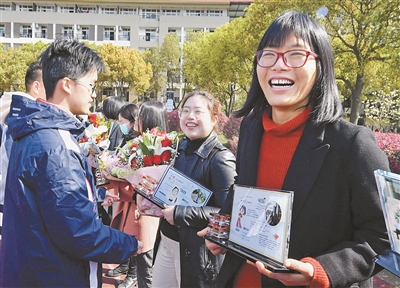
{"x":388,"y":184}
{"x":174,"y":188}
{"x":260,"y":226}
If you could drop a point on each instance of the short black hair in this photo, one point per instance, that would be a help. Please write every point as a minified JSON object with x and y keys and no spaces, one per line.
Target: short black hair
{"x":153,"y":114}
{"x":111,"y":107}
{"x":67,"y":58}
{"x":34,"y":73}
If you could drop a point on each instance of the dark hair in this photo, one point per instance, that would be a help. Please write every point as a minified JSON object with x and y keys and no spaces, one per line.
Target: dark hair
{"x":129,"y":112}
{"x":153,"y":114}
{"x":67,"y":58}
{"x":34,"y":73}
{"x":213,"y":104}
{"x":324,"y":96}
{"x":111,"y":107}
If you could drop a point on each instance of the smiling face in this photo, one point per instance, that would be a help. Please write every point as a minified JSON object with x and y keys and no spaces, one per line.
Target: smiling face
{"x":285,"y":88}
{"x":197,"y":127}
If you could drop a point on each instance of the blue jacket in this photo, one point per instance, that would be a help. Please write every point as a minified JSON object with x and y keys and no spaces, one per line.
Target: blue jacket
{"x":52,"y":235}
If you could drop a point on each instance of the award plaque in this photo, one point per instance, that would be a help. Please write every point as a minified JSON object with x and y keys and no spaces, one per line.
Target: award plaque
{"x":258,"y":228}
{"x":389,"y":192}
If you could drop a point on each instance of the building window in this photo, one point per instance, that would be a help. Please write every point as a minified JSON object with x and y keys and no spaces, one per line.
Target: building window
{"x":194,"y":12}
{"x":66,"y":9}
{"x":86,"y":10}
{"x":25,"y":8}
{"x":109,"y":34}
{"x":171,"y":30}
{"x":68,"y":31}
{"x":45,"y":9}
{"x":108,"y":10}
{"x":171,"y":12}
{"x":85,"y":33}
{"x":151,"y":35}
{"x":125,"y":34}
{"x":150,"y":14}
{"x":26,"y":31}
{"x":128,"y":11}
{"x":217,"y":13}
{"x":2,"y":31}
{"x":5,"y":7}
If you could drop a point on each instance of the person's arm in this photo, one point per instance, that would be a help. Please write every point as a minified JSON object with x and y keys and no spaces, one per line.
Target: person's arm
{"x":65,"y":201}
{"x":222,"y":174}
{"x":370,"y":235}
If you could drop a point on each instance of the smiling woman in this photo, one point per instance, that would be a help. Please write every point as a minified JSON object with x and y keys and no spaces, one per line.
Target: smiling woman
{"x":293,"y":137}
{"x":202,"y":157}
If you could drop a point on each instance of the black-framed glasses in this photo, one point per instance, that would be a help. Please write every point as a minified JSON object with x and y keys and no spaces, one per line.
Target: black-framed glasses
{"x":293,"y":58}
{"x":91,"y":88}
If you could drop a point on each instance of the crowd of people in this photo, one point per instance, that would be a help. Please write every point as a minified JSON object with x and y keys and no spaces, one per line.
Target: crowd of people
{"x":292,"y":137}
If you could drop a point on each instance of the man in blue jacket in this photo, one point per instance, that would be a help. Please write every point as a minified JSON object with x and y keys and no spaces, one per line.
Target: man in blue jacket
{"x":52,"y":235}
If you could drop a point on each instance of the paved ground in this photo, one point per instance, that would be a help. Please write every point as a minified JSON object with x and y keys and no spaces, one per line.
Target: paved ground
{"x":384,"y":279}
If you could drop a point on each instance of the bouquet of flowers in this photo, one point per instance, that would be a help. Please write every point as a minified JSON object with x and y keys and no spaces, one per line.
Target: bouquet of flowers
{"x":97,"y":131}
{"x":151,"y":149}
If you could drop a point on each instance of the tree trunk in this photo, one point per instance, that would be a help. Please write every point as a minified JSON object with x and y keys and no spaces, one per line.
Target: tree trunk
{"x":356,"y":99}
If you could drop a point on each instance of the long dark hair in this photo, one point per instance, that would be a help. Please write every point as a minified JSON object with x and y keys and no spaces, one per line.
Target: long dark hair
{"x":324,"y":96}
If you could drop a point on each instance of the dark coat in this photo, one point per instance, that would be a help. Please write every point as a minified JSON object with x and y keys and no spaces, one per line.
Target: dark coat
{"x":214,"y":168}
{"x":52,"y":235}
{"x":115,"y":136}
{"x":337,"y":217}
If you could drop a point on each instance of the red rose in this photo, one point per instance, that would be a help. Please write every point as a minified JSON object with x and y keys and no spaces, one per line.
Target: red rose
{"x":166,"y":156}
{"x":148,"y":160}
{"x":134,"y":145}
{"x":92,"y":118}
{"x":157,"y":159}
{"x":162,"y":134}
{"x":166,"y":142}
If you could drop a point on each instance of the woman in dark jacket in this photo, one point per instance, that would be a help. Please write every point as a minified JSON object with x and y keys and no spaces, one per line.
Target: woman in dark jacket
{"x":203,"y":158}
{"x":111,"y":106}
{"x":293,"y":137}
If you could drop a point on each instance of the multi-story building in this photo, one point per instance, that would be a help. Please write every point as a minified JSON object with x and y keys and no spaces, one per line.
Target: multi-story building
{"x":137,"y":24}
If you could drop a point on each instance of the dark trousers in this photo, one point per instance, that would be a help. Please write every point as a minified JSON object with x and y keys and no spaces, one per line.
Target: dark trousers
{"x":144,"y":269}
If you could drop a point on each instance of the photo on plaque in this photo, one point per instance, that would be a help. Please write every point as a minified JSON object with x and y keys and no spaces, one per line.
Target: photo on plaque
{"x":174,"y":188}
{"x":388,"y":184}
{"x":260,"y":226}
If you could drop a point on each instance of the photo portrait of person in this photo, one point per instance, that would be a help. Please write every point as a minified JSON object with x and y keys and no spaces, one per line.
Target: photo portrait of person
{"x":198,"y":196}
{"x":242,"y":212}
{"x":273,"y":213}
{"x":174,"y":195}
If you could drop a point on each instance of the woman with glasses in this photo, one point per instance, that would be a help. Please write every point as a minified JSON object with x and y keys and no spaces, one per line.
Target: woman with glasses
{"x":293,"y":137}
{"x":181,"y":257}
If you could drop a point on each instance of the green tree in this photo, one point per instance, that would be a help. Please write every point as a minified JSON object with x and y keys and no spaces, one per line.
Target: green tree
{"x":158,"y":80}
{"x":171,"y":54}
{"x":126,"y":69}
{"x":365,"y":35}
{"x":15,"y":62}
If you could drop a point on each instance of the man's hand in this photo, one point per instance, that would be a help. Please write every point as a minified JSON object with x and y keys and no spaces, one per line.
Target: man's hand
{"x":289,"y":279}
{"x":109,"y":199}
{"x":214,"y":248}
{"x":140,"y":247}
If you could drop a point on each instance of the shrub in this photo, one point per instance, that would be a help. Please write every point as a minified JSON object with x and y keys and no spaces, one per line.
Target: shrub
{"x":390,"y":144}
{"x":222,"y":120}
{"x":231,"y":128}
{"x":233,"y":145}
{"x":173,"y":120}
